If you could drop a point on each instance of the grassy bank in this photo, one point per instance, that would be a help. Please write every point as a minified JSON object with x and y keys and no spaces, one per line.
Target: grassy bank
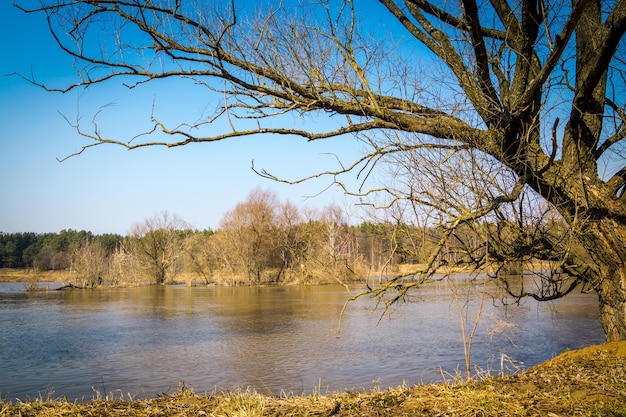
{"x":32,"y":275}
{"x":587,"y":382}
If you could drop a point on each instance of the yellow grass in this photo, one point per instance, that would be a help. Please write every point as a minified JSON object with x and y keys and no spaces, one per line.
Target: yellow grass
{"x":587,"y":382}
{"x":32,"y":275}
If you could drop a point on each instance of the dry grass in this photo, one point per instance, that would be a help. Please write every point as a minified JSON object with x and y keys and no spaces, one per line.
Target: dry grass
{"x":33,"y":276}
{"x":588,"y":382}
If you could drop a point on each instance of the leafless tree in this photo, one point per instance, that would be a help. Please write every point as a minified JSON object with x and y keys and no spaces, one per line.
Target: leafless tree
{"x":336,"y":251}
{"x":291,"y":241}
{"x":159,"y":243}
{"x":125,"y":265}
{"x":88,"y":262}
{"x":200,"y":257}
{"x":250,"y":232}
{"x":536,"y":86}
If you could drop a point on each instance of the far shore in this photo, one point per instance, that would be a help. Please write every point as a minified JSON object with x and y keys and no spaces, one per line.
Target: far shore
{"x":33,"y":276}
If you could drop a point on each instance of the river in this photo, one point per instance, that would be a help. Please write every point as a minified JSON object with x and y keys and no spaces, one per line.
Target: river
{"x":276,"y":340}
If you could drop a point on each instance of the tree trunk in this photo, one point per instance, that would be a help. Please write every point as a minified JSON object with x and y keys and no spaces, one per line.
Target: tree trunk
{"x":160,"y":276}
{"x":612,"y":287}
{"x":612,"y":297}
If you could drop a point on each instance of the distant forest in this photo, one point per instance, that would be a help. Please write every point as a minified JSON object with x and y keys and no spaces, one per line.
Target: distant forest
{"x":48,"y":251}
{"x":261,"y":240}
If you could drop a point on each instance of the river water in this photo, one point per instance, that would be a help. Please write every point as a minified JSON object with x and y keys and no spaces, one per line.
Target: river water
{"x":277,"y":340}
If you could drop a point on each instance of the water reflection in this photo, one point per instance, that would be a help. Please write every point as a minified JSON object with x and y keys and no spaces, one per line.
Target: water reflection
{"x":145,"y":340}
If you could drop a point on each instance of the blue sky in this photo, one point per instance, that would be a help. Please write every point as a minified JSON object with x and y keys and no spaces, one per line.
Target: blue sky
{"x":107,"y":189}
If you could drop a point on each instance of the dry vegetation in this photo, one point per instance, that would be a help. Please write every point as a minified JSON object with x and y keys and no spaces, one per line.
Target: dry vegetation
{"x":34,"y":276}
{"x":587,"y":382}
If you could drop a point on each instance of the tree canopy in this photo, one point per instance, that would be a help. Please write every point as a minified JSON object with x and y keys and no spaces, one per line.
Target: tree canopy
{"x":479,"y":111}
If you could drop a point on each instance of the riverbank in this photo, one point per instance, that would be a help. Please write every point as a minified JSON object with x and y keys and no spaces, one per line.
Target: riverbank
{"x":586,"y":382}
{"x":33,"y":276}
{"x":28,"y":275}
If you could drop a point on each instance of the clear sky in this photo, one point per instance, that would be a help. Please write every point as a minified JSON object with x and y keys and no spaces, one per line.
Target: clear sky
{"x":107,"y":189}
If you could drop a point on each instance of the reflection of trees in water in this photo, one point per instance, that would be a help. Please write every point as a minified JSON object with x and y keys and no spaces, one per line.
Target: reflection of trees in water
{"x":273,"y":333}
{"x":270,"y":310}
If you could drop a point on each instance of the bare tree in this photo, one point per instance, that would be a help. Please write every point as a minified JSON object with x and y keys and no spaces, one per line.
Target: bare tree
{"x":291,"y":242}
{"x":88,"y":262}
{"x":158,"y":242}
{"x":199,"y":255}
{"x":250,"y":231}
{"x":337,"y":252}
{"x":125,"y":265}
{"x":500,"y":76}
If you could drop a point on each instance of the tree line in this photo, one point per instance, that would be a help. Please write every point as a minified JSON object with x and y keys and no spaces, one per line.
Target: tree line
{"x":261,"y":240}
{"x":48,"y":251}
